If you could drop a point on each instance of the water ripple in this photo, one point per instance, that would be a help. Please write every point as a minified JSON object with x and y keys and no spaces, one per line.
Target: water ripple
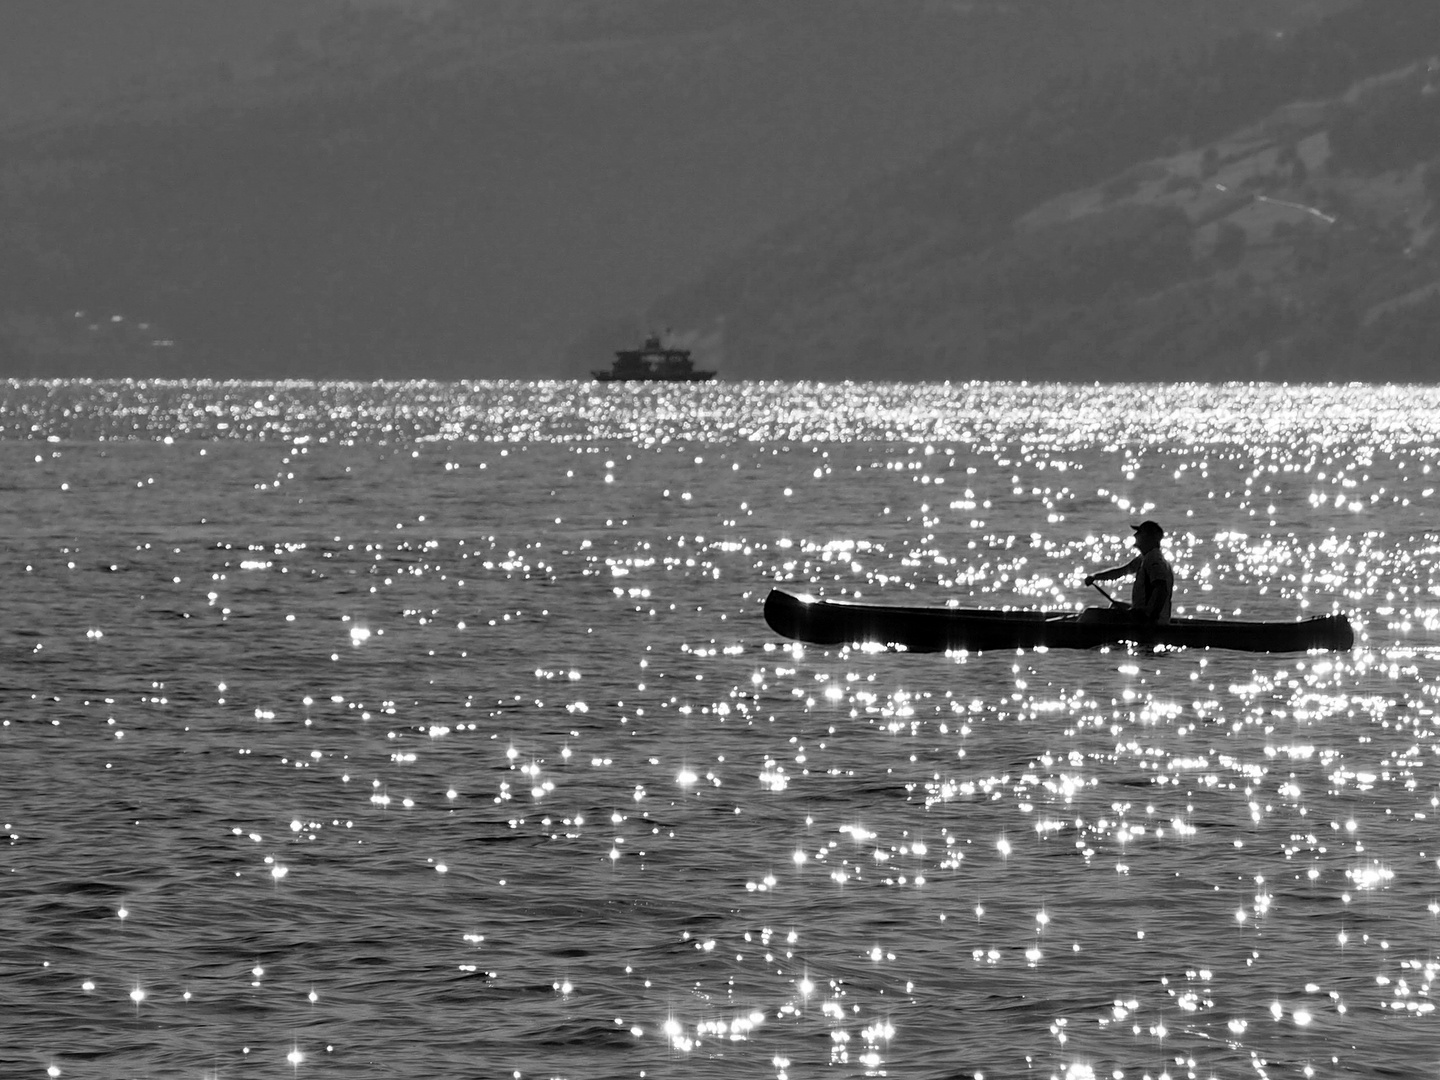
{"x":378,"y":730}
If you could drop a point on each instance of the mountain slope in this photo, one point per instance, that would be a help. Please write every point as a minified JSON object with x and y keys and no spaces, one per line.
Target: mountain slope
{"x":459,"y":189}
{"x":1266,"y":210}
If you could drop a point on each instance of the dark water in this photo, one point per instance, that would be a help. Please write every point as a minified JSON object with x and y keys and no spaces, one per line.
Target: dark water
{"x":431,"y":730}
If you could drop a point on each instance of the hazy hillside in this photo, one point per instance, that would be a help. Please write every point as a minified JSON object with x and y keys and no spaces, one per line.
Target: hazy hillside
{"x":60,"y":57}
{"x":1267,"y":209}
{"x":461,"y":189}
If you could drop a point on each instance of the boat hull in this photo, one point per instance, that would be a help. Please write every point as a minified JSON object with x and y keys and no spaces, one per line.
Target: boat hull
{"x":946,"y":629}
{"x":689,"y":376}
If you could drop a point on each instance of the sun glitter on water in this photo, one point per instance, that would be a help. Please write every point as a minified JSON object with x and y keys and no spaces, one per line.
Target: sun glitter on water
{"x":496,"y":649}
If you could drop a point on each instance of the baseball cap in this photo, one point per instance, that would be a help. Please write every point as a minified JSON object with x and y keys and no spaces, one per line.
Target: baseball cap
{"x":1148,"y":526}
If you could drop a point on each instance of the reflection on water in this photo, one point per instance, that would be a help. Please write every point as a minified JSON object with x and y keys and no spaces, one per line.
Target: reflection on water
{"x":436,"y":730}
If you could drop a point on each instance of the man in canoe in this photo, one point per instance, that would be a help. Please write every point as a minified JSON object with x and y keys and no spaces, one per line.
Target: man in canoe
{"x":1154,"y":580}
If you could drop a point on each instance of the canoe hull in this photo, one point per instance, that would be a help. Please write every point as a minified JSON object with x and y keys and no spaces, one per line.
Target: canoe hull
{"x":945,"y":629}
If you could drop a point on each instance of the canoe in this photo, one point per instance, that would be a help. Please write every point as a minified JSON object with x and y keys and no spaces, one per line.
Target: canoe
{"x":801,"y":617}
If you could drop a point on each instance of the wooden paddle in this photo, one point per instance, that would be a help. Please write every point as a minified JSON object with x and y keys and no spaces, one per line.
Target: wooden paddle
{"x":1103,"y":593}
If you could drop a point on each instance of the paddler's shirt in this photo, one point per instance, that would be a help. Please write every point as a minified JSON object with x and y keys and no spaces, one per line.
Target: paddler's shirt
{"x":1151,"y":572}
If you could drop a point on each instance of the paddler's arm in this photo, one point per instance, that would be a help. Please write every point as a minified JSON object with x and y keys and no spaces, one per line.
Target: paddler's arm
{"x":1114,"y":572}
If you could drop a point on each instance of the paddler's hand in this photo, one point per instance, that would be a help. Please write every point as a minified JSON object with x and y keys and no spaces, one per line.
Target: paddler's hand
{"x":1089,"y":579}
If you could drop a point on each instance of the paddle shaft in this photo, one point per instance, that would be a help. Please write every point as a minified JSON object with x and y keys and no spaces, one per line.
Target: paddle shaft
{"x":1102,"y":592}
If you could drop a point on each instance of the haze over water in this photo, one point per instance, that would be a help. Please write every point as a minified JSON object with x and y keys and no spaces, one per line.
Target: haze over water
{"x":434,"y":730}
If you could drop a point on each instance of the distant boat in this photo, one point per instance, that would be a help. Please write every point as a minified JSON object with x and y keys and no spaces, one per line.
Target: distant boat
{"x":653,"y":362}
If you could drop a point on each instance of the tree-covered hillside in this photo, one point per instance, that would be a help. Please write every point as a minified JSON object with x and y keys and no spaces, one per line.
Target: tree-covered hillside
{"x":460,"y":189}
{"x":1265,"y":209}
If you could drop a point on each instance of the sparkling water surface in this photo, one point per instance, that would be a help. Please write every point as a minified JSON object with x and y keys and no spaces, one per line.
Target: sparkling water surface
{"x":435,"y":730}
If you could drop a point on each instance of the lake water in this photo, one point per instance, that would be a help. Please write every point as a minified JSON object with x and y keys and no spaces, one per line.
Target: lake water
{"x":435,"y":730}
